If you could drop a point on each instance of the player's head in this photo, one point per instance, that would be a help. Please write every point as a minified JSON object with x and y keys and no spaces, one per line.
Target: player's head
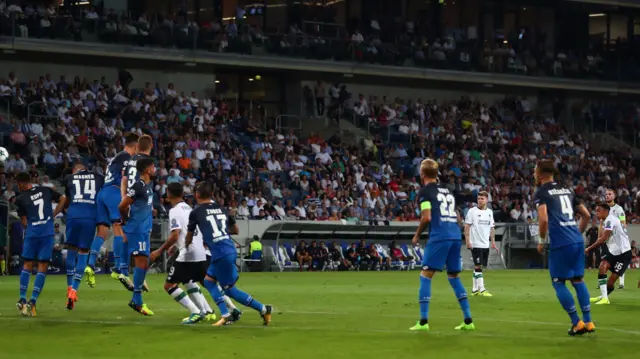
{"x":428,"y":170}
{"x":483,"y":198}
{"x":145,"y":144}
{"x":610,"y":196}
{"x":602,"y":210}
{"x":175,"y":191}
{"x":204,"y":190}
{"x":24,"y":181}
{"x":545,"y":170}
{"x":131,"y":143}
{"x":78,"y":167}
{"x":146,"y":167}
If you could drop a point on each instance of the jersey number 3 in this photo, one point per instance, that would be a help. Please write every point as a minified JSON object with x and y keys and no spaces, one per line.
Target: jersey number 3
{"x":447,"y":205}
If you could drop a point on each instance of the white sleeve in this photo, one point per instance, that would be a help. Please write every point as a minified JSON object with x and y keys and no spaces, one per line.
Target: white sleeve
{"x":608,"y":224}
{"x":174,"y":222}
{"x":493,"y":222}
{"x":469,"y":218}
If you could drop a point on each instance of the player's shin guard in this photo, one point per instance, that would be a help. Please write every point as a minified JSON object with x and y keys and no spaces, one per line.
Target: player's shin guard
{"x":81,"y":264}
{"x":38,"y":286}
{"x":424,"y":297}
{"x":461,"y":294}
{"x":244,"y":299}
{"x":124,"y":258}
{"x":96,"y":246}
{"x":583,"y":298}
{"x":70,"y":265}
{"x":602,"y":283}
{"x":566,"y":300}
{"x":194,"y":292}
{"x":217,"y":296}
{"x":622,"y":280}
{"x":477,"y":274}
{"x":182,"y":297}
{"x":24,"y":283}
{"x":138,"y":282}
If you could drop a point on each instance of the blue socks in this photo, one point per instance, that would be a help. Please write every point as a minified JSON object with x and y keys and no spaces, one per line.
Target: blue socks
{"x":566,"y":300}
{"x":70,"y":266}
{"x":244,"y":298}
{"x":96,"y":245}
{"x":424,"y":297}
{"x":24,"y":283}
{"x":138,"y":283}
{"x":124,"y":257}
{"x":81,"y":264}
{"x":38,"y":285}
{"x":117,"y":252}
{"x":217,"y":296}
{"x":583,"y":299}
{"x":461,"y":294}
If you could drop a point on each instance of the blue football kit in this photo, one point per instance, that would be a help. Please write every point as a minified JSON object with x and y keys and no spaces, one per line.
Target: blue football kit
{"x":82,"y":190}
{"x":138,"y":226}
{"x":109,"y":197}
{"x":130,"y":170}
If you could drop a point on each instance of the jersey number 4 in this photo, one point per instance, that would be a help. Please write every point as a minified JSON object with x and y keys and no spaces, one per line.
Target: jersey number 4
{"x":567,"y":208}
{"x":447,"y":205}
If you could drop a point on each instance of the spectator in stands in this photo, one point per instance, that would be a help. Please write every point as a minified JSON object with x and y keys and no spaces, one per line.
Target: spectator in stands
{"x":593,"y":260}
{"x":635,"y":253}
{"x":397,"y":254}
{"x":376,"y":259}
{"x":352,"y":259}
{"x":302,"y":256}
{"x":320,"y":255}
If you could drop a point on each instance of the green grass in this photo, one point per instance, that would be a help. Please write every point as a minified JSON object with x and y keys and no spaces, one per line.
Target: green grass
{"x":322,"y":315}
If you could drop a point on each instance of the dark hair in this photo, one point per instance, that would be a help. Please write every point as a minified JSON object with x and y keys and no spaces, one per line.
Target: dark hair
{"x":144,"y":143}
{"x":144,"y":163}
{"x":23,"y":177}
{"x":131,"y":139}
{"x":604,"y":206}
{"x":547,"y":167}
{"x":204,"y":189}
{"x":175,"y":189}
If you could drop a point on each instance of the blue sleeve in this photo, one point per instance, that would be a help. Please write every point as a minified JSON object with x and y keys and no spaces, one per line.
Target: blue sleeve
{"x":136,"y":191}
{"x":539,"y":198}
{"x":577,"y":201}
{"x":67,"y":186}
{"x":22,"y":209}
{"x":55,"y":195}
{"x":193,"y":221}
{"x":424,"y":199}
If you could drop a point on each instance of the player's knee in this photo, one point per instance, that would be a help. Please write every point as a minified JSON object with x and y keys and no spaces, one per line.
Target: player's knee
{"x":478,"y":269}
{"x":453,"y":274}
{"x":169,"y":286}
{"x":428,"y":273}
{"x":209,"y":278}
{"x":576,"y":280}
{"x":43,"y":267}
{"x":28,"y":266}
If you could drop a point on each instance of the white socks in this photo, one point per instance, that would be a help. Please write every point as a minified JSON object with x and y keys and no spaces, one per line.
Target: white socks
{"x":181,"y":297}
{"x":228,"y":301}
{"x":622,"y":280}
{"x":602,"y":283}
{"x":196,"y":295}
{"x":478,"y":281}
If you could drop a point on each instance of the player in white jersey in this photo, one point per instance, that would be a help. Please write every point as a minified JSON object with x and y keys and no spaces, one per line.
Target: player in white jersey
{"x":479,"y":233}
{"x":617,"y":211}
{"x":618,"y":255}
{"x":190,"y":267}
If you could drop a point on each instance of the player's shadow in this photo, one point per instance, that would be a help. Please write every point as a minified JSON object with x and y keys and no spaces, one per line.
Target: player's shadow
{"x":626,"y":307}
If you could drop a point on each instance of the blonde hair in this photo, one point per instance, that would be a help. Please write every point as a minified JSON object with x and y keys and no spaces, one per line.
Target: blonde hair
{"x":429,"y":168}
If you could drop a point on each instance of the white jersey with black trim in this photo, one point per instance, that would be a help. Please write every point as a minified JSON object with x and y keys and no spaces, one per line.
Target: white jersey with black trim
{"x":481,"y":222}
{"x":178,"y":220}
{"x":618,"y":242}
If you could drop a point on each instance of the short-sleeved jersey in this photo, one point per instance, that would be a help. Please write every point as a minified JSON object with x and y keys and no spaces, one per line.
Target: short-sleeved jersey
{"x":560,"y":202}
{"x":618,"y":212}
{"x":82,"y":190}
{"x":115,"y":168}
{"x":179,"y":220}
{"x":211,"y":222}
{"x":35,"y":204}
{"x":141,"y":210}
{"x":444,"y":218}
{"x":480,"y":222}
{"x":618,"y":242}
{"x":130,"y":170}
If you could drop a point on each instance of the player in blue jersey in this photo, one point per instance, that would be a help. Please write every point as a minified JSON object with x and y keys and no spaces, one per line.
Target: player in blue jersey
{"x":438,"y":211}
{"x":215,"y":226}
{"x":37,"y":216}
{"x":129,"y":177}
{"x":108,"y":215}
{"x":557,"y":207}
{"x":82,"y":188}
{"x":137,"y":209}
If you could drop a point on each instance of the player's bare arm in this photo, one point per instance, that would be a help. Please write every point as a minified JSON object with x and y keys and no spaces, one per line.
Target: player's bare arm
{"x":173,"y":238}
{"x":492,"y":235}
{"x":123,"y":183}
{"x":23,"y":220}
{"x":234,"y":229}
{"x":123,"y":207}
{"x":60,"y":206}
{"x":543,"y":226}
{"x":606,"y":234}
{"x":585,"y":216}
{"x":189,"y":239}
{"x":467,"y":238}
{"x":425,"y":219}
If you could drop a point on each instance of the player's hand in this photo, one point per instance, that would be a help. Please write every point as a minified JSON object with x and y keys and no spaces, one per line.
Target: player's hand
{"x":469,"y":246}
{"x":586,"y":251}
{"x":541,"y":248}
{"x":415,"y":240}
{"x":493,"y":245}
{"x":154,"y":255}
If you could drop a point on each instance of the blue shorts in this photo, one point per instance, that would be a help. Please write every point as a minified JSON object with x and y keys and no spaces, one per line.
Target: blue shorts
{"x":567,"y":262}
{"x":108,"y":201}
{"x":80,"y":232}
{"x":439,"y":254}
{"x":224,"y":270}
{"x":38,"y":249}
{"x":139,"y":244}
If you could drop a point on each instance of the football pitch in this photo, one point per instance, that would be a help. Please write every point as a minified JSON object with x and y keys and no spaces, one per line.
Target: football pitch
{"x":322,"y":315}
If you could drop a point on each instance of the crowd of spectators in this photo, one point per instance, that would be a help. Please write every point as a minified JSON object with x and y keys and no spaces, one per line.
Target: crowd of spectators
{"x":273,"y":175}
{"x":383,"y":41}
